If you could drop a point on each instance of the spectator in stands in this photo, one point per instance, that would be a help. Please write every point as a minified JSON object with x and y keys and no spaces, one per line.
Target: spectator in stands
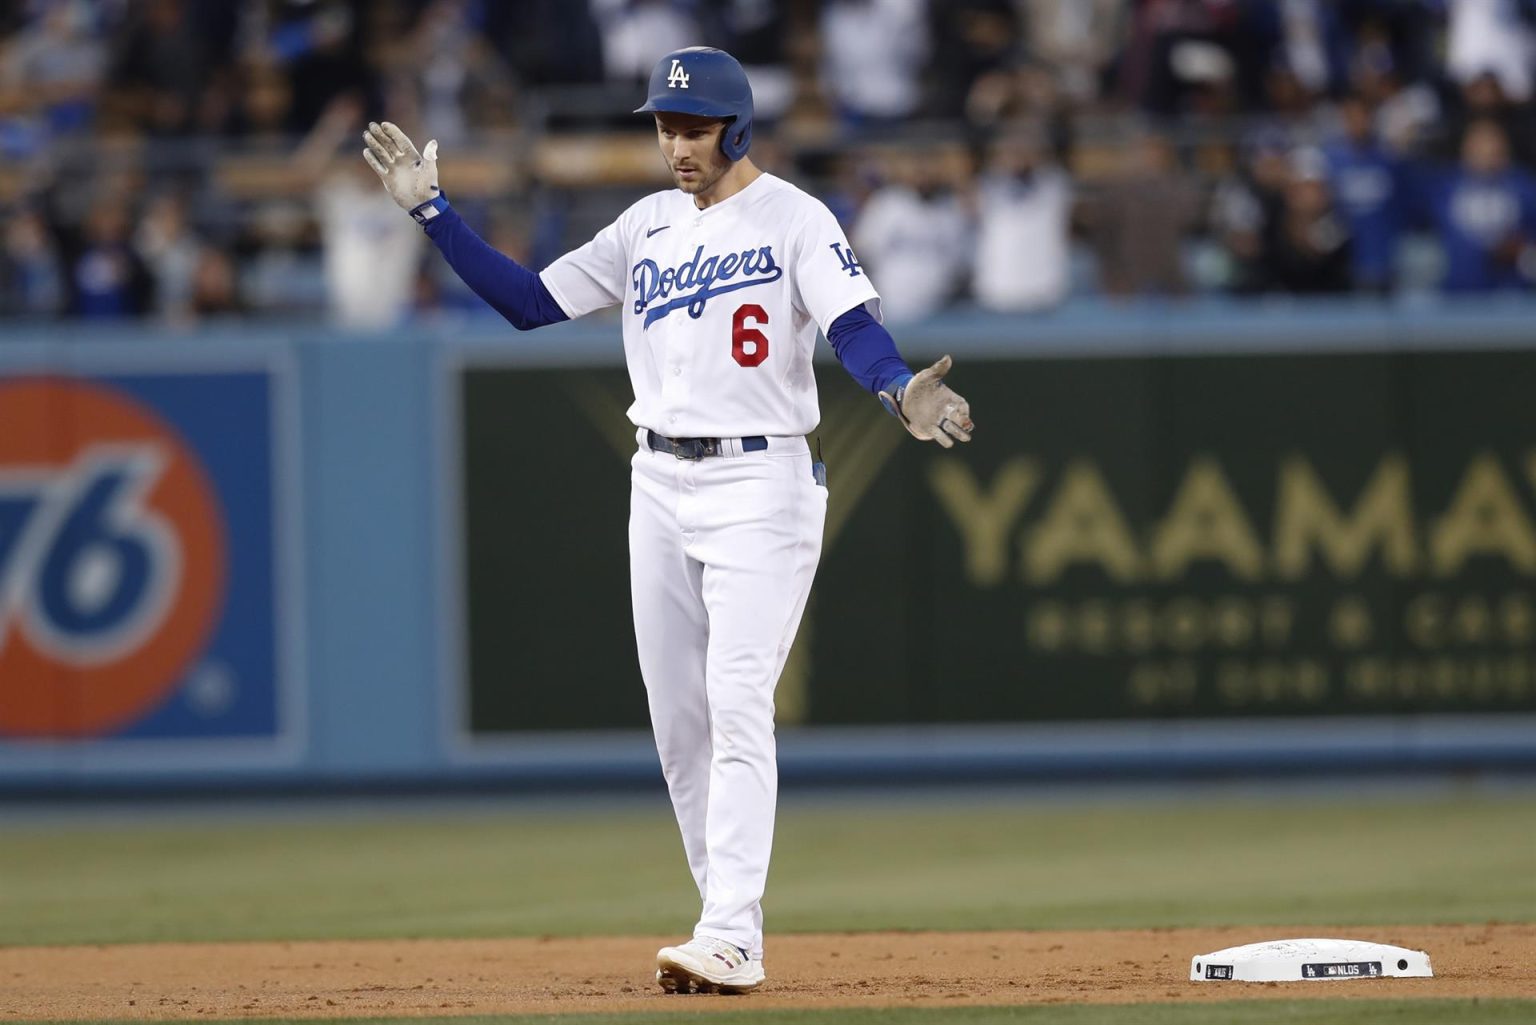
{"x":1291,"y":112}
{"x":636,"y":33}
{"x":914,"y":233}
{"x":277,"y":274}
{"x":1179,"y":49}
{"x":565,"y":49}
{"x":53,"y":68}
{"x":222,"y":29}
{"x":1023,"y":254}
{"x":370,"y":257}
{"x":261,"y":116}
{"x":1311,"y":43}
{"x":31,"y":281}
{"x":107,"y":279}
{"x":1383,"y":34}
{"x":319,"y":44}
{"x":1491,"y":37}
{"x":1369,"y":186}
{"x":873,"y":53}
{"x":852,"y":176}
{"x":159,"y":70}
{"x":1236,"y":219}
{"x":971,"y":38}
{"x":1139,"y":219}
{"x":1307,"y":249}
{"x":1484,"y":212}
{"x":1408,"y":113}
{"x":1482,"y":98}
{"x":1245,"y":205}
{"x":451,"y":64}
{"x":1022,"y":92}
{"x":215,"y":285}
{"x":756,"y":32}
{"x":170,"y":249}
{"x":370,"y":253}
{"x":1076,"y":39}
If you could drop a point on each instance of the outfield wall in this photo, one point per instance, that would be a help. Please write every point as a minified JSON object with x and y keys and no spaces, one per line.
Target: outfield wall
{"x":1188,"y":538}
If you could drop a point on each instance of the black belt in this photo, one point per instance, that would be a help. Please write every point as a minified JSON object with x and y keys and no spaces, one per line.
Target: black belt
{"x":698,"y":448}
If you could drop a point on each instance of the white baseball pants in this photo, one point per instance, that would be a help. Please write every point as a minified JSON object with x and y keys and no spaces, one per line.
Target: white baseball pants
{"x":722,"y":551}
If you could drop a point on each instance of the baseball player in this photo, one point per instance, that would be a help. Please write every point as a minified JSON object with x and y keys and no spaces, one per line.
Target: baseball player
{"x":724,"y":283}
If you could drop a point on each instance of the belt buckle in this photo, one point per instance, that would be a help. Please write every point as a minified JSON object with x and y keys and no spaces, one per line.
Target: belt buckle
{"x":690,"y":449}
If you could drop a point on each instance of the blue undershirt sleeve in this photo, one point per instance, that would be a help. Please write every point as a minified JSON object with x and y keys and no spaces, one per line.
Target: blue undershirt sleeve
{"x":867,"y":351}
{"x":509,"y":288}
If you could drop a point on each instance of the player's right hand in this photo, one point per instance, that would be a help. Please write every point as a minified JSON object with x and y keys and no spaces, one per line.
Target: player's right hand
{"x":930,"y":408}
{"x":409,"y":176}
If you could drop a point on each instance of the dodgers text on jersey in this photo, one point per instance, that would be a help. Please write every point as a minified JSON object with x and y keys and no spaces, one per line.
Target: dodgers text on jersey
{"x":652,"y":283}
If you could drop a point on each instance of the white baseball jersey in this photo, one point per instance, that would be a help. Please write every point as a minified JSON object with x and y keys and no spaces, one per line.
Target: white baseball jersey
{"x":721,"y":306}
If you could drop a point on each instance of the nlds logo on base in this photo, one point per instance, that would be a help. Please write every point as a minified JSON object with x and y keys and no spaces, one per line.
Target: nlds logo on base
{"x":113,"y":558}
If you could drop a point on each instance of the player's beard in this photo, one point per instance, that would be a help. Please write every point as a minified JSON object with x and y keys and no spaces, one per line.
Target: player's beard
{"x":705,"y":176}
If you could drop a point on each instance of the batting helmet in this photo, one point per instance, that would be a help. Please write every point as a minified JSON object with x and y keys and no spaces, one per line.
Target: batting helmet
{"x":707,"y":82}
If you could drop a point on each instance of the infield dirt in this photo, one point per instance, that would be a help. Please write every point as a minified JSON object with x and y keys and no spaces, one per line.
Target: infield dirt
{"x":554,"y":975}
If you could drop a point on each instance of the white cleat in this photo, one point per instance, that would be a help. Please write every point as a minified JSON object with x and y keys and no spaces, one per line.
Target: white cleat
{"x":707,"y":965}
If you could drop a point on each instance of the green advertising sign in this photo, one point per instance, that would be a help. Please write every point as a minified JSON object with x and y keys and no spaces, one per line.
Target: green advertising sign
{"x":1166,"y":537}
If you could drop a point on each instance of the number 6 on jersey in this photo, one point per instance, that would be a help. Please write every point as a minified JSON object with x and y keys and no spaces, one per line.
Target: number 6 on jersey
{"x":743,"y":336}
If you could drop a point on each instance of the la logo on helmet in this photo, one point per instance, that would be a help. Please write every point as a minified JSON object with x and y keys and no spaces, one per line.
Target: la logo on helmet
{"x":677,"y":76}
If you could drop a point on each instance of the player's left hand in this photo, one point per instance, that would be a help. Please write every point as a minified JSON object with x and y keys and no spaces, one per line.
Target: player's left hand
{"x":930,"y":408}
{"x":409,"y":176}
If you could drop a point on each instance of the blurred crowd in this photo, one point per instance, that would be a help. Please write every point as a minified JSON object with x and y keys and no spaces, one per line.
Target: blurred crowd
{"x":1001,"y":153}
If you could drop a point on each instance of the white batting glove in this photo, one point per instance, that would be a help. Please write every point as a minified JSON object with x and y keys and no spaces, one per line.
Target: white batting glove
{"x":410,"y":177}
{"x":930,"y":409}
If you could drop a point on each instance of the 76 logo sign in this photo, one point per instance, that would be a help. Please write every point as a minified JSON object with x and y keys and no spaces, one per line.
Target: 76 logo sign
{"x":86,"y":570}
{"x":113,"y":556}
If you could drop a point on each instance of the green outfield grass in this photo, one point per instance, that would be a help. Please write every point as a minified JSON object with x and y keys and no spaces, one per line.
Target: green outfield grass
{"x":929,"y":864}
{"x":1269,"y":1012}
